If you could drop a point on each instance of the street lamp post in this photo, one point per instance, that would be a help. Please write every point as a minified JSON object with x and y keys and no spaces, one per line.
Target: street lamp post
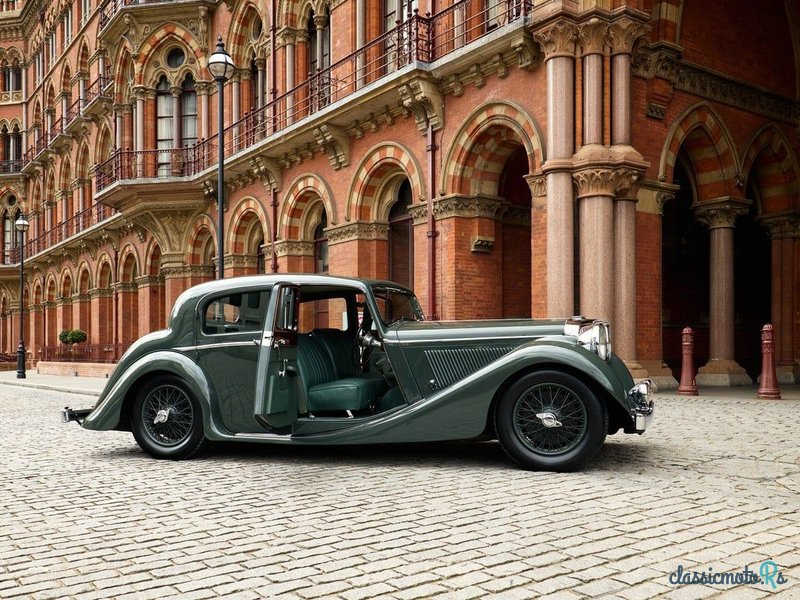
{"x":21,"y":225}
{"x":221,"y":66}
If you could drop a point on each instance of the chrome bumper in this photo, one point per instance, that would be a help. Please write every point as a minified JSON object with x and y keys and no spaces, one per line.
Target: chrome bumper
{"x":644,"y":408}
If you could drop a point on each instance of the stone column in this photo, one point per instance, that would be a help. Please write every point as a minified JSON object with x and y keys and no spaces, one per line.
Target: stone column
{"x":176,"y":115}
{"x":261,"y":65}
{"x":596,"y":251}
{"x":558,"y":43}
{"x":203,"y":89}
{"x":361,"y":40}
{"x":623,"y":34}
{"x":119,"y":127}
{"x":138,"y":143}
{"x":720,"y":216}
{"x":592,"y":37}
{"x":289,"y":41}
{"x":783,"y":230}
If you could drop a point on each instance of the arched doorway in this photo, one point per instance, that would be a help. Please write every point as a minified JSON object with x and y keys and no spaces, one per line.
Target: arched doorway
{"x":684,"y":268}
{"x":516,"y":235}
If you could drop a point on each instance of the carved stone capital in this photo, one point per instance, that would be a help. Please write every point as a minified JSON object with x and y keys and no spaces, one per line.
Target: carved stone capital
{"x":423,"y":98}
{"x":231,"y":260}
{"x":721,"y":212}
{"x":100,"y":293}
{"x":335,"y":143}
{"x":781,"y":225}
{"x":557,"y":39}
{"x":294,"y":248}
{"x":469,"y":207}
{"x":419,"y":213}
{"x":624,"y":33}
{"x":592,"y":36}
{"x":538,"y":185}
{"x":359,"y":230}
{"x":149,"y":280}
{"x":126,"y":287}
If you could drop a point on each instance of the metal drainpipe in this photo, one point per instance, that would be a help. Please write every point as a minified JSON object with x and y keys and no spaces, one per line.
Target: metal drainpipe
{"x":431,"y":150}
{"x":272,"y":92}
{"x":274,"y":230}
{"x":116,"y":302}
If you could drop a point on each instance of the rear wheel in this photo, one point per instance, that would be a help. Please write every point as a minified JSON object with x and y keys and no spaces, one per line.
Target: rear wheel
{"x":167,"y":421}
{"x":551,"y":421}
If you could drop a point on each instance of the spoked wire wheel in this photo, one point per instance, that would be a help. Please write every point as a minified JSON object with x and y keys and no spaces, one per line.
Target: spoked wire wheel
{"x":550,"y":419}
{"x":166,"y":420}
{"x":167,"y":415}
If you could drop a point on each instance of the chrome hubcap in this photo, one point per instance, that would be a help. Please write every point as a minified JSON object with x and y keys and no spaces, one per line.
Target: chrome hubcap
{"x":161,"y":417}
{"x":548,"y":419}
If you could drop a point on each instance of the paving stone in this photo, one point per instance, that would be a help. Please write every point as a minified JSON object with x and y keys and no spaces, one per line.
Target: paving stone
{"x":428,"y":521}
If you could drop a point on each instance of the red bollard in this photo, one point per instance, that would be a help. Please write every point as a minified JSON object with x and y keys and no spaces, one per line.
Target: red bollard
{"x":768,"y":388}
{"x":688,"y":386}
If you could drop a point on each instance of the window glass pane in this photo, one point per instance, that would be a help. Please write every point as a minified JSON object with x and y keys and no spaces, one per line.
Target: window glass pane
{"x":235,"y":313}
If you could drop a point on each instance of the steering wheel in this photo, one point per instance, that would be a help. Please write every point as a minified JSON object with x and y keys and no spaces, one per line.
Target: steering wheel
{"x":366,"y":339}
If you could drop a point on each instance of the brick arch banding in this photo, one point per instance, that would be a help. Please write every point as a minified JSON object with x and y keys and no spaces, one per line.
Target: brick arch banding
{"x":238,"y":40}
{"x":771,"y":161}
{"x":481,"y":135}
{"x":129,"y":256}
{"x":301,"y":194}
{"x":709,"y":145}
{"x":201,"y":230}
{"x":84,"y":278}
{"x":159,"y":37}
{"x":379,"y":162}
{"x":246,"y":211}
{"x":66,"y":278}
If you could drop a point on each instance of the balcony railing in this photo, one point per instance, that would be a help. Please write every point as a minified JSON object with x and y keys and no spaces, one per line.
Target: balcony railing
{"x":10,"y":166}
{"x":103,"y":353}
{"x":72,"y":226}
{"x":74,"y":111}
{"x":114,"y":6}
{"x":419,"y":39}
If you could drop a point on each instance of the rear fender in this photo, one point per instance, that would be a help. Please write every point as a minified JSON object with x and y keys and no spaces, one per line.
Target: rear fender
{"x":106,"y":414}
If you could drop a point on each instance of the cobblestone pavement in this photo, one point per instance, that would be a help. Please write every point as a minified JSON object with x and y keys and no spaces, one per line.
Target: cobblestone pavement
{"x":715,"y":483}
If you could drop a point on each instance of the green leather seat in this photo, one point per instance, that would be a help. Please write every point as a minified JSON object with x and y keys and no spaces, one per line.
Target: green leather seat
{"x":326,"y":390}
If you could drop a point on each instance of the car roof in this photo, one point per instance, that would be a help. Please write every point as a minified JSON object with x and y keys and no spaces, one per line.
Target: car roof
{"x":249,"y":281}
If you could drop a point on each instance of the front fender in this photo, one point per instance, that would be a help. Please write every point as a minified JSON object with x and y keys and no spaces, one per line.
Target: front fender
{"x":108,"y":410}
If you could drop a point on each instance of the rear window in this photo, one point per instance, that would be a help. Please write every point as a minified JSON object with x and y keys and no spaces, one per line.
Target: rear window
{"x":235,"y":313}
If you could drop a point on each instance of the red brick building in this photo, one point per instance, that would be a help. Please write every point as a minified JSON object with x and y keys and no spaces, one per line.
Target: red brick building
{"x":633,"y":160}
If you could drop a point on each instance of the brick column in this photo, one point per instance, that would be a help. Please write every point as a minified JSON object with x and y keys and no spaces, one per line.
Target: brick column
{"x":366,"y":242}
{"x":558,"y":43}
{"x":150,"y":296}
{"x":720,"y":216}
{"x":538,"y":185}
{"x":102,"y":329}
{"x":295,"y":256}
{"x":63,"y":314}
{"x":81,"y":314}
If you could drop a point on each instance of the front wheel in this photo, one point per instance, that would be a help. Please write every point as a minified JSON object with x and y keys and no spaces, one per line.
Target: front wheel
{"x":551,"y":421}
{"x":167,"y":421}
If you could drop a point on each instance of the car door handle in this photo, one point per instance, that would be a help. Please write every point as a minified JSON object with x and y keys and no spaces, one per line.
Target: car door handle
{"x":257,"y":342}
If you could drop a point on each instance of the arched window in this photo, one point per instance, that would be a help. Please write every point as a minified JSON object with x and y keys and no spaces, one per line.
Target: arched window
{"x":188,"y":112}
{"x":164,"y":126}
{"x":401,"y":239}
{"x":16,"y":146}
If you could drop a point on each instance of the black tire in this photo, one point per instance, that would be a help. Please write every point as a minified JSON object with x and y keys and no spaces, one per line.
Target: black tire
{"x":181,"y":435}
{"x":551,"y":421}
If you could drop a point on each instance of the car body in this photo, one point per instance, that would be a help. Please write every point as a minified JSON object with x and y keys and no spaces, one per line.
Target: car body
{"x":318,"y":359}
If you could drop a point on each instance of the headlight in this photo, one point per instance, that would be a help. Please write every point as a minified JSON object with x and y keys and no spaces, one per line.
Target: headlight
{"x":591,"y":334}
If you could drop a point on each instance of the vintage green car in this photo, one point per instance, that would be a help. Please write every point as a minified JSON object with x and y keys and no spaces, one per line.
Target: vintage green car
{"x":317,"y":359}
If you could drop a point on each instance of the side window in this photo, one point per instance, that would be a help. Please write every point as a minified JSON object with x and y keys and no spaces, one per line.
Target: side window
{"x":235,"y":313}
{"x":335,"y":312}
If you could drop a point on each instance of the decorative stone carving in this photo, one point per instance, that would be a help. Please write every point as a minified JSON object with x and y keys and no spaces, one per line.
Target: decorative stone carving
{"x":418,"y":213}
{"x":466,"y":206}
{"x":721,"y":212}
{"x":148,"y":280}
{"x":662,"y":198}
{"x":231,"y":260}
{"x":202,"y":28}
{"x":592,"y":36}
{"x":293,"y":248}
{"x":423,"y":98}
{"x":335,"y":143}
{"x":538,"y":184}
{"x":358,"y":230}
{"x":557,"y":39}
{"x":481,"y":244}
{"x":268,"y":171}
{"x":132,"y":34}
{"x":621,"y":182}
{"x":168,"y":227}
{"x":624,"y":33}
{"x":528,"y":55}
{"x":781,"y":225}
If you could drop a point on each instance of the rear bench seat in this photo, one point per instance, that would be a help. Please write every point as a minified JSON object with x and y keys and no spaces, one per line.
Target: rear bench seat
{"x":329,"y":370}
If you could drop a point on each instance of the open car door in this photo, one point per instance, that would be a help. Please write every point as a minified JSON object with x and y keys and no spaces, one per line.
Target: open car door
{"x":279,"y":388}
